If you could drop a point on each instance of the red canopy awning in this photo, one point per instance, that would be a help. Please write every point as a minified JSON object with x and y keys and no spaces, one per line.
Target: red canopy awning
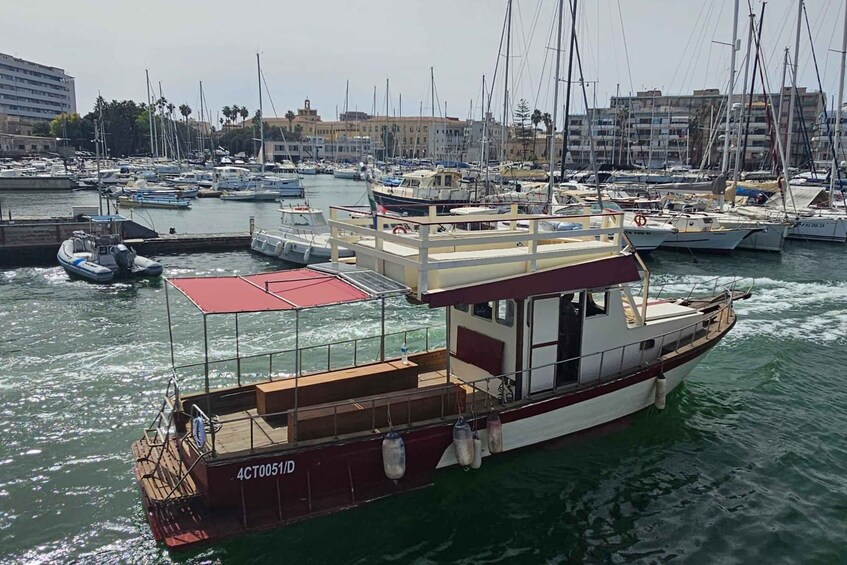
{"x":593,"y":274}
{"x":280,"y":290}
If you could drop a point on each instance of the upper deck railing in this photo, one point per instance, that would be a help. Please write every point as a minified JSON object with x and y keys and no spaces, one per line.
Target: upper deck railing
{"x":442,"y":244}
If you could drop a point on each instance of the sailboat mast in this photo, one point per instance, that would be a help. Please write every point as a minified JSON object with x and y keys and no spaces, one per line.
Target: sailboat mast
{"x":565,"y":126}
{"x":725,"y":161}
{"x":431,"y":135}
{"x":793,"y":96}
{"x":743,"y":112}
{"x":837,"y":141}
{"x":551,"y":169}
{"x":505,"y":131}
{"x":261,"y":115}
{"x":385,"y":140}
{"x":149,"y":111}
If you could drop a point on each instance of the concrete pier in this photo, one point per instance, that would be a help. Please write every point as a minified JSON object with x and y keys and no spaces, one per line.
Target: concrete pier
{"x":35,"y":183}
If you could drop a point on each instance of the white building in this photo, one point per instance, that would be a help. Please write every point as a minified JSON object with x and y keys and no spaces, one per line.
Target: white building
{"x":34,"y":91}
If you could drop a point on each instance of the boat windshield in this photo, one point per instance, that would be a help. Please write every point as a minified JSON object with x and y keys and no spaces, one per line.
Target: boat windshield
{"x":303,"y":219}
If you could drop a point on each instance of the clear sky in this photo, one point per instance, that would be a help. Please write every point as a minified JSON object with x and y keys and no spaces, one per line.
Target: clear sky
{"x":309,"y":49}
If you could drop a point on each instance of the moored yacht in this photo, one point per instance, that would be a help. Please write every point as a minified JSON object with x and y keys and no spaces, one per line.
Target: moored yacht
{"x":420,"y":189}
{"x":302,"y":237}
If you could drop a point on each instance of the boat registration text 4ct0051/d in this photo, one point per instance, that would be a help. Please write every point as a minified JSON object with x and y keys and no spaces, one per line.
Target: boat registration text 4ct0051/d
{"x":265,"y":470}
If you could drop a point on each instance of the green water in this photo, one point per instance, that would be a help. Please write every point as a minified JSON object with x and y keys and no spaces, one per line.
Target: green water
{"x":746,"y":464}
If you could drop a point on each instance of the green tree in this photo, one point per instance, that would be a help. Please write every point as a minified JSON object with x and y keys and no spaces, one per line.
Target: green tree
{"x":227,"y":112}
{"x":78,"y":131}
{"x":41,"y":129}
{"x":244,"y":113}
{"x":523,"y":132}
{"x":289,"y":115}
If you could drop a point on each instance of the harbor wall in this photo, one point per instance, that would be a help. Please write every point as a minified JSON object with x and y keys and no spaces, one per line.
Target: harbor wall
{"x":34,"y":183}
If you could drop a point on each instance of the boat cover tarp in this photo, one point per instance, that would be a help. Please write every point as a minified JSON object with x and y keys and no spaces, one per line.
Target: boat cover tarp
{"x":593,"y":274}
{"x":798,"y":197}
{"x":280,"y":290}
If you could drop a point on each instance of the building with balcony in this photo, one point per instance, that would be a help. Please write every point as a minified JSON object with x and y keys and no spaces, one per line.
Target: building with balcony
{"x":31,"y":91}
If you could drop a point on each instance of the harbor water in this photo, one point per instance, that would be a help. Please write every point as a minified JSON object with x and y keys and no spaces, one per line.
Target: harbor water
{"x":746,"y":463}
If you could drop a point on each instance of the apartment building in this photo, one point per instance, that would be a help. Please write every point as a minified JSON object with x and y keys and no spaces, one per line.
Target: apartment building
{"x":32,"y":91}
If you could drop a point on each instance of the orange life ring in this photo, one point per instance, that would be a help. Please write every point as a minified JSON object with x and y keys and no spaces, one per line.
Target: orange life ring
{"x":640,"y":220}
{"x":398,"y":230}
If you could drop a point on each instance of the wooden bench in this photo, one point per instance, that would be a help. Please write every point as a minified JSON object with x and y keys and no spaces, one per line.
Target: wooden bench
{"x":366,"y":413}
{"x":278,"y":396}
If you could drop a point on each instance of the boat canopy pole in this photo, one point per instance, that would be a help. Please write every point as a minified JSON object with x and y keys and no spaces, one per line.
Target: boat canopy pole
{"x":237,"y":353}
{"x":382,"y":330}
{"x":296,"y":367}
{"x":206,"y":371}
{"x":170,"y":326}
{"x":448,"y":343}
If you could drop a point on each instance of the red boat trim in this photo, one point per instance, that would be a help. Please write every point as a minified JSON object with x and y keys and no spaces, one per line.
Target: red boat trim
{"x":594,"y":274}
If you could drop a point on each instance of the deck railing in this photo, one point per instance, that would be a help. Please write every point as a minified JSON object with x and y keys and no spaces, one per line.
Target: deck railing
{"x":283,"y":363}
{"x":612,"y":365}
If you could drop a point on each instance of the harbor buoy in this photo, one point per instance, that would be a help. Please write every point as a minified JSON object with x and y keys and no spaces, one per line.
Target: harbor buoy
{"x":198,"y":430}
{"x":495,"y":433}
{"x":393,"y":456}
{"x":463,"y":443}
{"x":287,"y":247}
{"x":477,"y":452}
{"x":307,"y":254}
{"x":661,"y":391}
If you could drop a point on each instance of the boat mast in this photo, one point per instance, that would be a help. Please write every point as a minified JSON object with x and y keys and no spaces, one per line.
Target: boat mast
{"x":793,"y":96}
{"x":743,"y":109}
{"x":400,"y":114}
{"x":385,"y":140}
{"x":565,"y":125}
{"x":504,"y":134}
{"x":431,"y":135}
{"x":551,"y":169}
{"x":734,"y":47}
{"x":837,"y":141}
{"x":261,"y":116}
{"x":483,"y":149}
{"x":149,"y":112}
{"x":162,"y":120}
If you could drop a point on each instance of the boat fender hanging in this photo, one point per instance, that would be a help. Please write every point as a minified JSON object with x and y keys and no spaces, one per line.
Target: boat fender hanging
{"x":495,"y":433}
{"x":278,"y":248}
{"x":198,"y":430}
{"x":477,"y":452}
{"x":640,"y":220}
{"x":463,"y":443}
{"x":287,"y":247}
{"x":398,"y":230}
{"x":661,"y":391}
{"x":393,"y":456}
{"x":307,"y":254}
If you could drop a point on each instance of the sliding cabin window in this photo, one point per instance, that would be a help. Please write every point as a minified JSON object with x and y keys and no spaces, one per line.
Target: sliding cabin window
{"x":504,"y":314}
{"x":597,"y":304}
{"x":461,"y":307}
{"x":647,"y":344}
{"x":483,"y":310}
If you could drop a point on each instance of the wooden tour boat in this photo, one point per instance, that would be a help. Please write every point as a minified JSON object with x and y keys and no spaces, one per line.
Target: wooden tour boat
{"x":545,"y":334}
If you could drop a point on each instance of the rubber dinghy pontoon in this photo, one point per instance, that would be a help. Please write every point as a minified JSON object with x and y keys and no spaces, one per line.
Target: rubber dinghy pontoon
{"x":103,"y":258}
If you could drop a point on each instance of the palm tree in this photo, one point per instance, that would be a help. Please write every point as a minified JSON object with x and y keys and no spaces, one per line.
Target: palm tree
{"x":535,"y":119}
{"x":227,"y":112}
{"x":244,"y":113}
{"x":289,"y":115}
{"x":185,"y":110}
{"x":235,"y":109}
{"x":548,"y":127}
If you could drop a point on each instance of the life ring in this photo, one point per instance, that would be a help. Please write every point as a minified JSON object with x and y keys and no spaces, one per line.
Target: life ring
{"x":198,"y":430}
{"x":399,"y":230}
{"x":640,"y":220}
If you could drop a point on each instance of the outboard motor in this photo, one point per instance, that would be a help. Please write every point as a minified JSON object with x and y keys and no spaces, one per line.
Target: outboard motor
{"x":123,"y":256}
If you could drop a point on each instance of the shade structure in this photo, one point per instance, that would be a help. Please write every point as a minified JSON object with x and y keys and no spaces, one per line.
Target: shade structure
{"x":280,"y":290}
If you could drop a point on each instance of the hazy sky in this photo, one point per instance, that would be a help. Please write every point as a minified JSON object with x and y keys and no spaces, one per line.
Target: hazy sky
{"x":312,"y":48}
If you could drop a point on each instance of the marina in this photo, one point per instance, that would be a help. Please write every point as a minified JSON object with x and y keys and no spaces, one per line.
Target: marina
{"x":474,"y":310}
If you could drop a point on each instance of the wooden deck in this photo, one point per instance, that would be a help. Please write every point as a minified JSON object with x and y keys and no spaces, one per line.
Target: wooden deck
{"x":168,"y":481}
{"x":235,"y":433}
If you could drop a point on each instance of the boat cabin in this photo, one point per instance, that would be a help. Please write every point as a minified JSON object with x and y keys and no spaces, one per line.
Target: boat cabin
{"x":303,"y":218}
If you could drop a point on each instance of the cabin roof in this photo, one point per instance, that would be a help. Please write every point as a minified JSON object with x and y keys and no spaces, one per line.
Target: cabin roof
{"x":592,"y":274}
{"x":284,"y":290}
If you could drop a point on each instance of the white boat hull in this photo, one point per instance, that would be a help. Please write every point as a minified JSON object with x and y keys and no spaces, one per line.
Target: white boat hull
{"x":294,"y":251}
{"x":820,"y":228}
{"x":722,"y":241}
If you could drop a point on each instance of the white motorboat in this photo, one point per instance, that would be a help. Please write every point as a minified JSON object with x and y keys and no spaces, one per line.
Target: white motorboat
{"x":103,"y":258}
{"x":350,"y":173}
{"x":698,"y":232}
{"x":806,"y":207}
{"x":307,"y":169}
{"x":302,"y":238}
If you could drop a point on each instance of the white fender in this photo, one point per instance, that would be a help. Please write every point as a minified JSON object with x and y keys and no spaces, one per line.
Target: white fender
{"x":393,"y":456}
{"x":661,"y":391}
{"x":495,"y":433}
{"x":307,"y":254}
{"x":477,"y":452}
{"x":463,"y":443}
{"x":287,"y":247}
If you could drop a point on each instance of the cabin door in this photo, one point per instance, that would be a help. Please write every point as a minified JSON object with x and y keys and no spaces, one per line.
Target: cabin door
{"x":544,"y":344}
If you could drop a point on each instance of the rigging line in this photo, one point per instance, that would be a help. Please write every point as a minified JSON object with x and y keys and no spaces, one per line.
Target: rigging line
{"x":544,"y":64}
{"x":831,"y":37}
{"x":697,"y":48}
{"x":778,"y":38}
{"x":497,"y":64}
{"x":590,"y":133}
{"x":697,"y":27}
{"x":823,"y":101}
{"x":614,"y":41}
{"x":625,"y":49}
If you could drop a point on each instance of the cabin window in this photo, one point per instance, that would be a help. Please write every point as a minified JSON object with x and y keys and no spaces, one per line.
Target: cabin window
{"x":437,"y":181}
{"x":448,"y":180}
{"x":461,"y":307}
{"x":483,"y":310}
{"x":647,"y":344}
{"x":505,"y":313}
{"x":596,"y":304}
